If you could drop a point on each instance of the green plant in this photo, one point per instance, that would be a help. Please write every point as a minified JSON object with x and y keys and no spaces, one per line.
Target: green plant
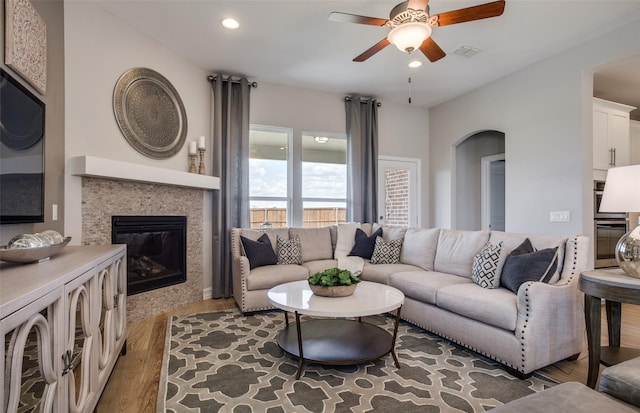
{"x":333,"y":277}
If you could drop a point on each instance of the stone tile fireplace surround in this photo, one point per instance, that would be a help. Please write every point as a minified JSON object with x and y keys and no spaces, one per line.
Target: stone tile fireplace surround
{"x":104,"y":197}
{"x":110,"y":187}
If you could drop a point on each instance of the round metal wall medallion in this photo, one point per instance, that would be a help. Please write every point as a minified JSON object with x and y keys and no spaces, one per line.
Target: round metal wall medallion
{"x":150,"y":113}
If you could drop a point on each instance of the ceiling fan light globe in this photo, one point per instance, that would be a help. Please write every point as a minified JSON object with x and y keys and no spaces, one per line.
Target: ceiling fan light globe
{"x":409,"y":36}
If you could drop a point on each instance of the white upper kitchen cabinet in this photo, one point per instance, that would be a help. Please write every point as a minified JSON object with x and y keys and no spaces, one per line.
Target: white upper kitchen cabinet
{"x":611,"y":136}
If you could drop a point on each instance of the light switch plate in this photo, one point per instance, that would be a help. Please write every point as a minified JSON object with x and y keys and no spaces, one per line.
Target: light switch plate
{"x":560,"y":216}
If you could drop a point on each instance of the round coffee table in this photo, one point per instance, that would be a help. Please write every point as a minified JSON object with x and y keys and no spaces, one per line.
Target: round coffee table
{"x":337,"y":340}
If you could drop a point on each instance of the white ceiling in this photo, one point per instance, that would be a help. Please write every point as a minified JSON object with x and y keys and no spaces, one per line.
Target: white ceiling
{"x":292,"y":42}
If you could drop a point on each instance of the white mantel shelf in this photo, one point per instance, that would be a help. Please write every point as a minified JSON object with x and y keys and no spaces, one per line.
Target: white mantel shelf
{"x":126,"y":171}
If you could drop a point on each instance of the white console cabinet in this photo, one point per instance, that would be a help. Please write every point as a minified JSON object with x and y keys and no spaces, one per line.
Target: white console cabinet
{"x":63,"y":322}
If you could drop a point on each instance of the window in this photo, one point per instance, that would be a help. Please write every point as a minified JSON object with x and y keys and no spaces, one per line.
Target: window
{"x":268,"y":171}
{"x":296,"y":181}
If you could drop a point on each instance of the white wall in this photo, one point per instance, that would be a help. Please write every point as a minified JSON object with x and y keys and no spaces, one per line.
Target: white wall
{"x":545,"y":112}
{"x":99,"y":47}
{"x":402,"y":129}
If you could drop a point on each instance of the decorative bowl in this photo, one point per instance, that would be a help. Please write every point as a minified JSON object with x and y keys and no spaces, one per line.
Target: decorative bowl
{"x":25,"y":255}
{"x":334,"y":291}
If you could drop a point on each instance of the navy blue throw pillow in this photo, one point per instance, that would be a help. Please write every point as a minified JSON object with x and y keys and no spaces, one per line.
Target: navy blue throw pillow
{"x":259,"y":252}
{"x":523,"y":248}
{"x":365,"y":245}
{"x":529,"y":266}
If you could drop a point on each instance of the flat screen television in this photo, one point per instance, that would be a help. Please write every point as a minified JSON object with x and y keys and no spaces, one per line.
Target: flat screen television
{"x":21,"y":153}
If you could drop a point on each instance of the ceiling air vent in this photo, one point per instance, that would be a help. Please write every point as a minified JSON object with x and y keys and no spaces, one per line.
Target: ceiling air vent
{"x":466,"y":51}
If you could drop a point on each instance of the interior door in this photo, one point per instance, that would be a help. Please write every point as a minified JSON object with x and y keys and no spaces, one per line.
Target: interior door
{"x":399,"y":191}
{"x":493,"y":192}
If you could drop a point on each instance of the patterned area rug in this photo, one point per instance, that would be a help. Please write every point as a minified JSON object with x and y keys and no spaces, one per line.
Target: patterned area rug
{"x":228,"y":362}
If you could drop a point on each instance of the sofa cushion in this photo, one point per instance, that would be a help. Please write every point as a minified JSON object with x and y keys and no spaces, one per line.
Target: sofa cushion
{"x":333,"y":231}
{"x":424,"y":285}
{"x":272,"y":233}
{"x":419,"y":247}
{"x":566,"y":397}
{"x":456,"y":249}
{"x":622,"y":381}
{"x":511,"y":240}
{"x":315,"y":243}
{"x":259,"y":252}
{"x":496,"y":307}
{"x":365,"y":244}
{"x":380,"y":273}
{"x":269,"y":276}
{"x":533,"y":266}
{"x":487,"y":266}
{"x":390,"y":233}
{"x":345,"y":239}
{"x":319,"y":265}
{"x":289,"y":251}
{"x":386,"y":252}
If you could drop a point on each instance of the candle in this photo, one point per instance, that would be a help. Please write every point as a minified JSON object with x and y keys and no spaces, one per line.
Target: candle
{"x":192,"y":148}
{"x":201,"y":142}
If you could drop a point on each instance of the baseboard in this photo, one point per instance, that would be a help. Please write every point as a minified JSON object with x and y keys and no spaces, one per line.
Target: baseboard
{"x":207,"y":293}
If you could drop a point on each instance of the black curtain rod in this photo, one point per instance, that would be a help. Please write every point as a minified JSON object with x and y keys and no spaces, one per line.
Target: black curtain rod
{"x":211,"y":78}
{"x":349,"y":99}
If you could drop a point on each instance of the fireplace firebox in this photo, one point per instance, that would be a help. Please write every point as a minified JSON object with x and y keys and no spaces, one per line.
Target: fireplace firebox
{"x":156,"y":250}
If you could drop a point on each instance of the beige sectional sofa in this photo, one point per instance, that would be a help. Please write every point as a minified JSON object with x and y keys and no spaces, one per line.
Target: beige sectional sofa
{"x":542,"y":324}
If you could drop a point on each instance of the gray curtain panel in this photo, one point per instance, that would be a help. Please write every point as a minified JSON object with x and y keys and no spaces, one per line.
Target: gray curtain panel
{"x":231,"y":164}
{"x":362,"y":153}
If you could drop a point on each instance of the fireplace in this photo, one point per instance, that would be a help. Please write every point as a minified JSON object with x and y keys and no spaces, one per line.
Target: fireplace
{"x":156,"y":250}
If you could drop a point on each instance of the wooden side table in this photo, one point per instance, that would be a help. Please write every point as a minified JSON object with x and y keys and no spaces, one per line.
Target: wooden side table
{"x":616,"y":288}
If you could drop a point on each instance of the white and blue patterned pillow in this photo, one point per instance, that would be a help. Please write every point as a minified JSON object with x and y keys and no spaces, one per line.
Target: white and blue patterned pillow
{"x":289,"y":251}
{"x":487,"y":266}
{"x":386,"y":252}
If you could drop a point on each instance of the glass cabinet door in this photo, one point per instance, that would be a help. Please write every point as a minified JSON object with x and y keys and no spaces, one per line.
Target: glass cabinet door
{"x":28,"y":358}
{"x":76,"y":358}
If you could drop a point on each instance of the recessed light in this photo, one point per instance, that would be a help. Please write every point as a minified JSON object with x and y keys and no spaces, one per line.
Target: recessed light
{"x":230,"y":23}
{"x":415,"y":63}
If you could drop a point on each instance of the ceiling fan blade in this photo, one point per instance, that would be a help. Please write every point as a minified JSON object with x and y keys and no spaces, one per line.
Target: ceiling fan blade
{"x":481,"y":11}
{"x":354,"y":18}
{"x":431,"y":49}
{"x":372,"y":50}
{"x":417,"y":4}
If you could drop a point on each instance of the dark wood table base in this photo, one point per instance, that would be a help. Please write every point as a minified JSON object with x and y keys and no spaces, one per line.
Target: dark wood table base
{"x":337,"y":341}
{"x":597,"y":285}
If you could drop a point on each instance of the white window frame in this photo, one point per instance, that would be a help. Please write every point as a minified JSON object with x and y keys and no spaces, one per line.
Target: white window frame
{"x":294,"y":200}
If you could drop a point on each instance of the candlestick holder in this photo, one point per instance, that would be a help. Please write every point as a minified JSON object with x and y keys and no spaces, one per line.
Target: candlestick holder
{"x":201,"y":167}
{"x":192,"y":163}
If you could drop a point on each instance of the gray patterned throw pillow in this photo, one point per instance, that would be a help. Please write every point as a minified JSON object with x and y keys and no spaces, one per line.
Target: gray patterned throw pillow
{"x":487,"y":265}
{"x":386,"y":252}
{"x":289,"y":251}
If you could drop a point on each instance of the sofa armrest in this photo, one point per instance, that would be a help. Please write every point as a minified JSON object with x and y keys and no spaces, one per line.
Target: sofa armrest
{"x":552,"y":314}
{"x":239,"y":269}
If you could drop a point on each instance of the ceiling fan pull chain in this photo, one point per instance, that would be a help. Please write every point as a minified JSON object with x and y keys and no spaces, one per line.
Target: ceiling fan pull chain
{"x":410,"y":89}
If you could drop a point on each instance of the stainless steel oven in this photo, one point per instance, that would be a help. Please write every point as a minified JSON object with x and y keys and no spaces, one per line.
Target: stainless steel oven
{"x":598,"y":189}
{"x":607,"y":232}
{"x":608,"y":228}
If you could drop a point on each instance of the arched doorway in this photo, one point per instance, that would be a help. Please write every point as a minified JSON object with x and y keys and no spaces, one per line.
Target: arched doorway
{"x":469,"y":175}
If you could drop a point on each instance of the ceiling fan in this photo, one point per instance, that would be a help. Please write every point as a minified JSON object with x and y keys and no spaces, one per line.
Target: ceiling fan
{"x":411,"y":25}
